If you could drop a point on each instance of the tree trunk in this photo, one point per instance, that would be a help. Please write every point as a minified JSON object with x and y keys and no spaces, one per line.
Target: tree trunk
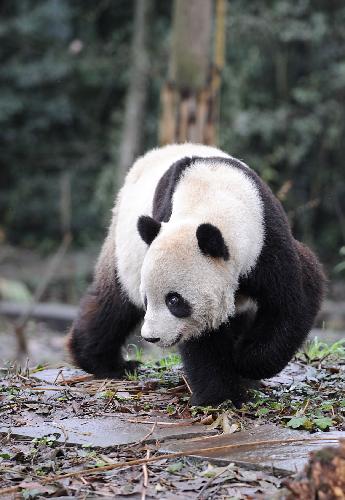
{"x":137,"y":91}
{"x":190,"y":96}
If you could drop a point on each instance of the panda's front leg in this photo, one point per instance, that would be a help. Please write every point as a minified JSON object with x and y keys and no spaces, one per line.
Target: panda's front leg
{"x":210,"y":371}
{"x":105,"y":319}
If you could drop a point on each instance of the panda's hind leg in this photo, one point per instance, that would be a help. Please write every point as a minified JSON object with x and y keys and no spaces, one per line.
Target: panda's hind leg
{"x":105,"y":319}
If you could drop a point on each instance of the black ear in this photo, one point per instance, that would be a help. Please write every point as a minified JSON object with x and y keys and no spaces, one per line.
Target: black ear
{"x":148,"y":228}
{"x":211,"y":241}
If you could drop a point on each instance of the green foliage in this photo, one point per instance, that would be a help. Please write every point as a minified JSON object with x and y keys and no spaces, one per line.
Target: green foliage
{"x":169,"y":361}
{"x":315,"y":350}
{"x":109,"y":394}
{"x":322,"y":423}
{"x":64,"y":75}
{"x":132,"y":375}
{"x":49,"y":440}
{"x":299,"y":422}
{"x":175,"y":467}
{"x":282,"y":107}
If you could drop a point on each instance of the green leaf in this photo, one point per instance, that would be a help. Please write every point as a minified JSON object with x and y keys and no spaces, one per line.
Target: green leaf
{"x":323,"y":423}
{"x":297,"y":422}
{"x":101,"y":463}
{"x":262,"y":412}
{"x":170,"y":409}
{"x":107,"y":394}
{"x":175,"y":467}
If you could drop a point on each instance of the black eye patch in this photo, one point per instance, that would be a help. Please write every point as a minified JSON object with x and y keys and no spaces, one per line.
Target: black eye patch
{"x":177,"y":305}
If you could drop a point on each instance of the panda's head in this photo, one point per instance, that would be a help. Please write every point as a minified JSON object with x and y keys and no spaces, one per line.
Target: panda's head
{"x":187,"y":285}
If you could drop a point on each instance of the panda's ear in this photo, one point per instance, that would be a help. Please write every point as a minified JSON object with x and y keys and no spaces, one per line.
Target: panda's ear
{"x":211,"y":241}
{"x":148,"y":228}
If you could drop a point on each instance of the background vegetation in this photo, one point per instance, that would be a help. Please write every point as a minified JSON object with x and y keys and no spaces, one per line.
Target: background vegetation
{"x":65,"y":70}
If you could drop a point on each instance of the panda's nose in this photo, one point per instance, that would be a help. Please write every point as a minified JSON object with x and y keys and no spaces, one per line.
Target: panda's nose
{"x":152,"y":339}
{"x":148,"y":331}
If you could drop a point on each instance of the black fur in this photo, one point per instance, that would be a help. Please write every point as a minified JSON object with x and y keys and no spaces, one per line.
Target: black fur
{"x":208,"y":362}
{"x":288,"y":285}
{"x":148,"y":228}
{"x":181,"y":308}
{"x":105,"y":319}
{"x":162,"y":201}
{"x":211,"y":241}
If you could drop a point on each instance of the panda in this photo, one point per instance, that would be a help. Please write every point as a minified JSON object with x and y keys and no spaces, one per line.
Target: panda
{"x":199,"y":249}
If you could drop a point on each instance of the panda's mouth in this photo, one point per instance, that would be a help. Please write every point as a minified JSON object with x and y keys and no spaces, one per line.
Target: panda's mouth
{"x":175,"y":341}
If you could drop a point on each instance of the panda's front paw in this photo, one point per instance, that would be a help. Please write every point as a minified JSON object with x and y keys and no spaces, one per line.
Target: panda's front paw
{"x":205,"y":399}
{"x":198,"y":400}
{"x":119,"y":372}
{"x":131,"y":366}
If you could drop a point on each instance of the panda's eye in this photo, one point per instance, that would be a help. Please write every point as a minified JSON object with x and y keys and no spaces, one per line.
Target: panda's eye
{"x":177,"y":305}
{"x":173,"y":299}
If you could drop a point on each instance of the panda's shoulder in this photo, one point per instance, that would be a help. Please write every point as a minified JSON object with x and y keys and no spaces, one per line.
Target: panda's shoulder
{"x":165,"y":156}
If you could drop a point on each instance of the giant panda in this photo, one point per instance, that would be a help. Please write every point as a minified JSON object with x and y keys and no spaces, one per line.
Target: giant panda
{"x":199,"y":249}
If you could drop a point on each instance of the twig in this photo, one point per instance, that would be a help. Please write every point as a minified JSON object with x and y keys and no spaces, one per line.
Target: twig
{"x":149,"y":433}
{"x":186,"y":382}
{"x":76,"y":379}
{"x":209,"y":482}
{"x":167,"y":424}
{"x":62,"y":429}
{"x":58,"y":375}
{"x":178,"y":388}
{"x":83,"y":480}
{"x":57,"y":389}
{"x":146,"y":477}
{"x":305,"y":407}
{"x":27,"y":379}
{"x":167,"y":456}
{"x":40,"y":389}
{"x":310,"y":205}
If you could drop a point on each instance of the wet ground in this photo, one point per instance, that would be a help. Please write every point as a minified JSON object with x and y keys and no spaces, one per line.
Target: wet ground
{"x":64,"y":434}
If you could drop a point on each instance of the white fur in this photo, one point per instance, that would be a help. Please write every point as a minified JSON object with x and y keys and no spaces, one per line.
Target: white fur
{"x":135,"y":199}
{"x":218,"y":194}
